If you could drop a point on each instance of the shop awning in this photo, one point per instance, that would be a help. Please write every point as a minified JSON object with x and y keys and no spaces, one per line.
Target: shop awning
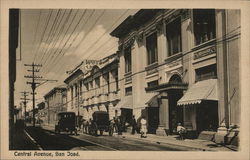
{"x":202,"y":90}
{"x":126,"y":102}
{"x":151,"y":100}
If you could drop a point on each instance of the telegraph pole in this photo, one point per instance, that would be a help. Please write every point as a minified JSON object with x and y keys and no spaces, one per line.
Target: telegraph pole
{"x":25,"y":100}
{"x":33,"y":84}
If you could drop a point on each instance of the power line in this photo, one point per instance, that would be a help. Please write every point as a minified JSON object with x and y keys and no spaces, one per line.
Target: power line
{"x":73,"y":40}
{"x":87,"y":32}
{"x":50,"y":32}
{"x":38,"y":22}
{"x":70,"y":23}
{"x":56,"y":38}
{"x":43,"y":33}
{"x":93,"y":44}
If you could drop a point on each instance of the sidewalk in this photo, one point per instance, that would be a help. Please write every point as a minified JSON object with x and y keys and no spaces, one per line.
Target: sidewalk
{"x":193,"y":144}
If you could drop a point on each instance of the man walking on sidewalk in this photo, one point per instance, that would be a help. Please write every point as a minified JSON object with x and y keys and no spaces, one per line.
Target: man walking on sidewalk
{"x":134,"y":125}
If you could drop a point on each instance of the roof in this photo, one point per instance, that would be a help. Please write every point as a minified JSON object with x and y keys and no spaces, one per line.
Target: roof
{"x":135,"y":21}
{"x":202,"y":90}
{"x":61,"y":87}
{"x":73,"y":75}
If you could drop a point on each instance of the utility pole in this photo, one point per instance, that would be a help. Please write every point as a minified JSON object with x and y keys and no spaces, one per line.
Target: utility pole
{"x":25,"y":100}
{"x":33,"y":84}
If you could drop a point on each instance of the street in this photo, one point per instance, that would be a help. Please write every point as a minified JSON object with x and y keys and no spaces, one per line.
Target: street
{"x":48,"y":140}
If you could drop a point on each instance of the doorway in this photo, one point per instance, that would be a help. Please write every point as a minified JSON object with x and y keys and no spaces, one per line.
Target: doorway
{"x":153,"y":119}
{"x":207,"y":116}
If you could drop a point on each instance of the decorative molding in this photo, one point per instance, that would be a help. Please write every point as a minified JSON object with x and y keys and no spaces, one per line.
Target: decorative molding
{"x":159,"y":26}
{"x":139,"y":37}
{"x":185,"y":14}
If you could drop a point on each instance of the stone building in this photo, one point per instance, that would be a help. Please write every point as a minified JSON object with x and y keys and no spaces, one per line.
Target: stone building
{"x":55,"y":102}
{"x":93,"y":86}
{"x":174,"y":68}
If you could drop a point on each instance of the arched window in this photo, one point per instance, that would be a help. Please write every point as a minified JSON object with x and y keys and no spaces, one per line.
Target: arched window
{"x":175,"y":79}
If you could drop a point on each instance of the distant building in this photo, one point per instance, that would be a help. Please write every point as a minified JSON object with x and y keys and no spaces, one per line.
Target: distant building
{"x":93,"y":86}
{"x":55,"y":102}
{"x":182,"y":66}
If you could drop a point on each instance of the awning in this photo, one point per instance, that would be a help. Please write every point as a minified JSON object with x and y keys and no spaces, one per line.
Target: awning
{"x":202,"y":90}
{"x":151,"y":100}
{"x":126,"y":102}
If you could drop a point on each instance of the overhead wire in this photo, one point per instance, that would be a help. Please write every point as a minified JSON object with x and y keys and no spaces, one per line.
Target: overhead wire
{"x":56,"y":37}
{"x":50,"y":32}
{"x":65,"y":34}
{"x":43,"y":33}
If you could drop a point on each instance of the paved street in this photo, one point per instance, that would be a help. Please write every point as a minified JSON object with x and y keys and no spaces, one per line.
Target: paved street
{"x":48,"y":140}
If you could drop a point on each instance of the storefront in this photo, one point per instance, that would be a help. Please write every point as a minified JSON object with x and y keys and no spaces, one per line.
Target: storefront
{"x":200,"y":105}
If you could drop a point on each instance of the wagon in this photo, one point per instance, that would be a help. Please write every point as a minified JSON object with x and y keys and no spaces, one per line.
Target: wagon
{"x":66,"y":122}
{"x":100,"y":123}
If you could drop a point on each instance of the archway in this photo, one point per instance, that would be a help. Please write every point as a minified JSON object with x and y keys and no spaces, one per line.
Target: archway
{"x":175,"y":112}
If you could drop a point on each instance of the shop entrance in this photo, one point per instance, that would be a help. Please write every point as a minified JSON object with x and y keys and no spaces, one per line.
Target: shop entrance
{"x":126,"y":115}
{"x":175,"y":112}
{"x":207,"y":116}
{"x":153,"y":119}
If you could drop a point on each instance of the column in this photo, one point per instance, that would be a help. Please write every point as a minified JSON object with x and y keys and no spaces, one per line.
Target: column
{"x":163,"y":115}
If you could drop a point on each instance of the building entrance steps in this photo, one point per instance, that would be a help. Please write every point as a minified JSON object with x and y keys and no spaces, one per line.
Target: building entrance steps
{"x":192,"y":144}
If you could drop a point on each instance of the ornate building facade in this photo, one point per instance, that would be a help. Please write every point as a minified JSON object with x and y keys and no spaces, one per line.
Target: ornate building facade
{"x":94,"y":88}
{"x":55,"y":102}
{"x":174,"y":68}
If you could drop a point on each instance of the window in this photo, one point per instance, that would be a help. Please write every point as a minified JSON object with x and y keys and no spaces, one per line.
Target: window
{"x":174,"y":37}
{"x":207,"y":72}
{"x":91,"y":85}
{"x":116,"y":79}
{"x":151,"y":45}
{"x":204,"y":25}
{"x":97,"y":82}
{"x":153,"y":83}
{"x":128,"y":91}
{"x":86,"y":86}
{"x":128,"y":61}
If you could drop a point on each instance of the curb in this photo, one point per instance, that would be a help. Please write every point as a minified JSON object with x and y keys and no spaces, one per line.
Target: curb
{"x":32,"y":139}
{"x":173,"y":144}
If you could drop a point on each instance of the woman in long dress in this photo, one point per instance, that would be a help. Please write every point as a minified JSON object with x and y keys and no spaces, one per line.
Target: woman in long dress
{"x":143,"y":128}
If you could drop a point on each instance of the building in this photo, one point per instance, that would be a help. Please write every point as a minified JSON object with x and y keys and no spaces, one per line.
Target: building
{"x":100,"y":88}
{"x":174,"y":68}
{"x":93,"y":86}
{"x":13,"y":44}
{"x":55,"y":102}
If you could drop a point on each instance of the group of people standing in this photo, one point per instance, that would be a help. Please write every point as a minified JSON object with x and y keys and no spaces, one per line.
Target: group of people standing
{"x":139,"y":127}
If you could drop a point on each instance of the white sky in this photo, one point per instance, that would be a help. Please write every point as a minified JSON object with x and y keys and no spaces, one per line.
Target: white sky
{"x":61,"y":39}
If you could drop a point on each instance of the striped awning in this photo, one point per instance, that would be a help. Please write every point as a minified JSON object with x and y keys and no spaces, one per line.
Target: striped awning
{"x":202,"y":90}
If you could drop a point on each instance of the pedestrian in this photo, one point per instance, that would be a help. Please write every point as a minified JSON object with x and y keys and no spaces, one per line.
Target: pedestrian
{"x":143,"y":127}
{"x":181,"y":131}
{"x":119,"y":126}
{"x":134,"y":125}
{"x":115,"y":124}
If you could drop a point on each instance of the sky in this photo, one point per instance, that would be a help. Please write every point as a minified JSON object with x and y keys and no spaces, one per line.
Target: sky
{"x":59,"y":39}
